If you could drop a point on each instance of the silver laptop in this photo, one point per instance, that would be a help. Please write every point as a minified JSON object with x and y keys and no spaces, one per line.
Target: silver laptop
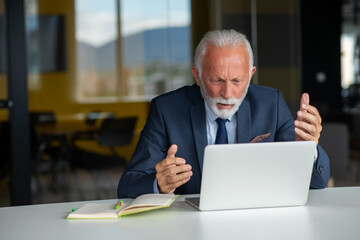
{"x":255,"y":175}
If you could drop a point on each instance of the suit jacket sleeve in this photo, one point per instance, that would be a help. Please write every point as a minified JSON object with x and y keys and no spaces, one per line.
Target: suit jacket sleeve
{"x":139,"y":175}
{"x":321,"y":168}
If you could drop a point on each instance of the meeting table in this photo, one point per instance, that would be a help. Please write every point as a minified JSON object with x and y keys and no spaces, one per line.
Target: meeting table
{"x":331,"y":213}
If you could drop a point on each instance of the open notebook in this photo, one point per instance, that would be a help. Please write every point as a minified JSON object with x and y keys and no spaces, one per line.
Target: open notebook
{"x":142,"y":203}
{"x":254,"y":175}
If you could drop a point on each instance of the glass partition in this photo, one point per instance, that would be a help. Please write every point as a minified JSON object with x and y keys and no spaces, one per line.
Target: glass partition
{"x":350,"y":54}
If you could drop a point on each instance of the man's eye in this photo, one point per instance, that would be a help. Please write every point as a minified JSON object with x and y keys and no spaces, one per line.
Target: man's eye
{"x":237,"y":82}
{"x":217,"y":81}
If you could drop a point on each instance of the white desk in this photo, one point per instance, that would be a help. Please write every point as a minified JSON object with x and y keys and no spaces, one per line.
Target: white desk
{"x":332,"y":213}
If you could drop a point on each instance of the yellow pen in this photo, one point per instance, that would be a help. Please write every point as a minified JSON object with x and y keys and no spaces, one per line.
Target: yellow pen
{"x":119,"y":204}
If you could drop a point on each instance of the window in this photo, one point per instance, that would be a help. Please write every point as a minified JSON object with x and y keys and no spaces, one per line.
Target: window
{"x":146,"y":53}
{"x":96,"y":37}
{"x":348,"y":45}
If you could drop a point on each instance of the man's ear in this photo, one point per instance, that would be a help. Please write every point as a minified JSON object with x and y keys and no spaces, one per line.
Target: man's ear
{"x":252,"y":73}
{"x":195,"y":73}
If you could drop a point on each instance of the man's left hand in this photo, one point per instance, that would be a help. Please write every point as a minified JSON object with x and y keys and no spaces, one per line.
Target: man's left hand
{"x":308,"y":121}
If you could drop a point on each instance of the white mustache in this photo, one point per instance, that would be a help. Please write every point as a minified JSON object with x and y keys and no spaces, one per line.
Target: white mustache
{"x":230,"y":101}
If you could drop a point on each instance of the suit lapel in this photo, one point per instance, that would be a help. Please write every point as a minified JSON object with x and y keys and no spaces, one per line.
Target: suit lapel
{"x":198,"y":122}
{"x":243,"y":122}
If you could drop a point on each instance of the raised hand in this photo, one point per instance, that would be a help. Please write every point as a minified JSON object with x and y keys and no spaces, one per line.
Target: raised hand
{"x":172,"y":172}
{"x":308,"y":121}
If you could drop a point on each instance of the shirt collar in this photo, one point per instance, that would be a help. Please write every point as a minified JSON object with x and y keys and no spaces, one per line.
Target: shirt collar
{"x":211,"y":116}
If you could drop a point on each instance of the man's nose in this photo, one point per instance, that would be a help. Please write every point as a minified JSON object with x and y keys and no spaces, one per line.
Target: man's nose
{"x":226,"y":90}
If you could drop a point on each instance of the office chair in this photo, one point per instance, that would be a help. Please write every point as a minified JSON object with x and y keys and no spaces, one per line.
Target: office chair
{"x":116,"y":132}
{"x":112,"y":133}
{"x":91,"y":119}
{"x":48,"y":151}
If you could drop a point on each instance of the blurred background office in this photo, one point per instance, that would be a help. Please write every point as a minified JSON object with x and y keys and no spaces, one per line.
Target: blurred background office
{"x":77,"y":76}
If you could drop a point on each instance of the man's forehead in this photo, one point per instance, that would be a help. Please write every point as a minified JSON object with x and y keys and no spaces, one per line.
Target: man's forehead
{"x":211,"y":47}
{"x":228,"y":56}
{"x":215,"y":54}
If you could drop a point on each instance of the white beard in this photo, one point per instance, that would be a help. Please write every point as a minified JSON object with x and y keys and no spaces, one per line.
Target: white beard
{"x":212,"y":102}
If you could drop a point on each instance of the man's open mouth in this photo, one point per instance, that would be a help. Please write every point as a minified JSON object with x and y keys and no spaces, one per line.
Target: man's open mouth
{"x":224,"y":106}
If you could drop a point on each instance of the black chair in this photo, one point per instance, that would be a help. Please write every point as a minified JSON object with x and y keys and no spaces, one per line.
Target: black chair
{"x":112,"y":133}
{"x":45,"y":143}
{"x":116,"y":132}
{"x":91,"y":119}
{"x":49,"y":151}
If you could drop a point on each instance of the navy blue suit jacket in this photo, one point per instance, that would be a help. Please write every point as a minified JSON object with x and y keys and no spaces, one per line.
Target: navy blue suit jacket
{"x":179,"y":118}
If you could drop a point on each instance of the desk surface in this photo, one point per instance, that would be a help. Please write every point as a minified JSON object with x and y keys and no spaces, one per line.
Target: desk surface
{"x":332,"y":213}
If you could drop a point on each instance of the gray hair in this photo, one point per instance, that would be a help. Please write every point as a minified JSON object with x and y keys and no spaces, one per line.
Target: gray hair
{"x":222,"y":38}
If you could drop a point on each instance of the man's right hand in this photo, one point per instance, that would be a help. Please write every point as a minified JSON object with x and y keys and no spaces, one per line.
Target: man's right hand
{"x":172,"y":172}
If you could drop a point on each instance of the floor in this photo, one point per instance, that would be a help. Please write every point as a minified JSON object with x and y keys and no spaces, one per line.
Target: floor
{"x":83,"y":185}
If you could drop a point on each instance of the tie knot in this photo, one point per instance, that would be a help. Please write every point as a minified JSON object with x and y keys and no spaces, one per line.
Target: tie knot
{"x":221,"y":135}
{"x":221,"y":121}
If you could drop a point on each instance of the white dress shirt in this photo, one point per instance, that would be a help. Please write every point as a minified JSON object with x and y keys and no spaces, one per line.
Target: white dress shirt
{"x":212,"y":126}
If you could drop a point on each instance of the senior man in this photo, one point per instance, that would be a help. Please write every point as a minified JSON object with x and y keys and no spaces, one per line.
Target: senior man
{"x":169,"y":154}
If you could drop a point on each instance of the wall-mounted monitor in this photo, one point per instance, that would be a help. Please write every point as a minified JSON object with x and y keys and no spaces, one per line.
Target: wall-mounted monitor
{"x":45,"y":43}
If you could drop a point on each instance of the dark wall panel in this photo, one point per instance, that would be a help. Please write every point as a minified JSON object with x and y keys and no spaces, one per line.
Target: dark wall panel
{"x":320,"y":43}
